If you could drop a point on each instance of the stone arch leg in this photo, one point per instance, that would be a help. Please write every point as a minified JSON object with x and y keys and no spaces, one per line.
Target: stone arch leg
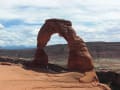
{"x":41,"y":57}
{"x":79,"y":58}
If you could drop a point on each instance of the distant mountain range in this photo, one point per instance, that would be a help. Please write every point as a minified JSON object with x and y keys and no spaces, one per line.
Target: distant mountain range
{"x":97,"y":50}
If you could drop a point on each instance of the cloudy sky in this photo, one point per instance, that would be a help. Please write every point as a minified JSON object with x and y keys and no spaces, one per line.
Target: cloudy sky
{"x":93,"y":20}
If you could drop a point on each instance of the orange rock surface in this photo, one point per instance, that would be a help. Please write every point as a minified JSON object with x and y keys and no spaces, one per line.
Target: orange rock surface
{"x":13,"y":77}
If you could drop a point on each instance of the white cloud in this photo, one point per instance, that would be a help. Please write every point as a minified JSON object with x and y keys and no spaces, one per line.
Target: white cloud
{"x":19,"y":35}
{"x":12,"y":3}
{"x":92,"y":19}
{"x":1,"y":26}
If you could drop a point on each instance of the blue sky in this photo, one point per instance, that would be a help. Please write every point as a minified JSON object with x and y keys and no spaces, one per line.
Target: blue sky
{"x":93,"y":20}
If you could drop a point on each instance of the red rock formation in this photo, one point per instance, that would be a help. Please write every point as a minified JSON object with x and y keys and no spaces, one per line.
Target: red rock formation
{"x":79,"y":58}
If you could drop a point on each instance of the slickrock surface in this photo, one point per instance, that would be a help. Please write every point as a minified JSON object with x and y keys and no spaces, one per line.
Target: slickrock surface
{"x":14,"y":77}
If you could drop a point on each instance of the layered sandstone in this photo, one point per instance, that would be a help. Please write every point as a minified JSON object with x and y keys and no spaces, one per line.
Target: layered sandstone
{"x":79,"y":57}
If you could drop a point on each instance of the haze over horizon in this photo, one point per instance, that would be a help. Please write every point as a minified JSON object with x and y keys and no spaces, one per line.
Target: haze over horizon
{"x":93,"y":20}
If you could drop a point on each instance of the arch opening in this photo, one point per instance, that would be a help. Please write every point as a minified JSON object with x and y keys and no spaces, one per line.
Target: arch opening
{"x":56,"y":39}
{"x":57,"y":51}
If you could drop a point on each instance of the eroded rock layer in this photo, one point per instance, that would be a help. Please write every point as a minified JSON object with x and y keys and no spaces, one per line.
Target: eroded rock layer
{"x":79,"y":58}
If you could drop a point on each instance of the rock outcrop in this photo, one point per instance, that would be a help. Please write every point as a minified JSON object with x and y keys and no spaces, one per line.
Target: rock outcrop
{"x":24,"y":79}
{"x":79,"y":57}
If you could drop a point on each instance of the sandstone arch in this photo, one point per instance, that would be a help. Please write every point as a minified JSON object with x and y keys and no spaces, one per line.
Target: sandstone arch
{"x":79,"y":58}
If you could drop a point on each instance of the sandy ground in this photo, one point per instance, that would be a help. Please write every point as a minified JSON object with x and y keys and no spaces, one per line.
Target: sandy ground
{"x":14,"y":77}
